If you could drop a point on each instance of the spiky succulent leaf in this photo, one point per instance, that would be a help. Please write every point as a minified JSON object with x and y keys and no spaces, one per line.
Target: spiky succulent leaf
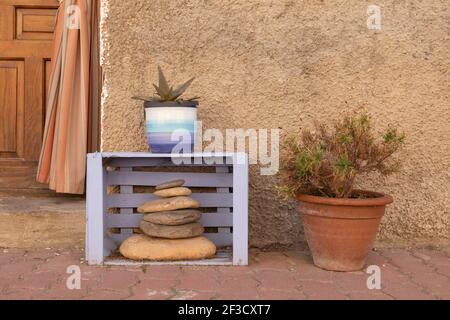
{"x":166,"y":92}
{"x":181,"y":89}
{"x":163,"y":84}
{"x":170,"y":96}
{"x":158,"y":90}
{"x":143,"y":98}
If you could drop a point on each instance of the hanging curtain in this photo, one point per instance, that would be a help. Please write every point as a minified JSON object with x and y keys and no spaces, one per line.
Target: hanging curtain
{"x":71,"y":126}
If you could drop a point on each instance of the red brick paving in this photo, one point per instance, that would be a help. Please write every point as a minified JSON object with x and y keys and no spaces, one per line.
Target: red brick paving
{"x":285,"y":274}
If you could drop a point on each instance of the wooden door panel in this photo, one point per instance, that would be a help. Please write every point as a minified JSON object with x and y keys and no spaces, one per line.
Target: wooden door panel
{"x":35,"y":104}
{"x":35,"y":24}
{"x":47,"y":65}
{"x":6,"y":22}
{"x":26,"y":33}
{"x":25,"y":48}
{"x":11,"y":108}
{"x":8,"y":107}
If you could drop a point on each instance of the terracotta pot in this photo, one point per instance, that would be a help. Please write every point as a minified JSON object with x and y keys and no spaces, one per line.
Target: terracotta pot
{"x":340,"y":232}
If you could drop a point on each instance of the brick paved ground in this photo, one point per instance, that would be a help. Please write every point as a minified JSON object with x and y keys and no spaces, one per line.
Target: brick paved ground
{"x":287,"y":274}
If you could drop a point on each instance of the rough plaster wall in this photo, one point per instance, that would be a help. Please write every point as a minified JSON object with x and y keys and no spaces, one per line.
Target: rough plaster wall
{"x":270,"y":64}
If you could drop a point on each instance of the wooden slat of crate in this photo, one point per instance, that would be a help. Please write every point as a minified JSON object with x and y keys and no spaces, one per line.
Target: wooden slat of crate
{"x":157,"y":162}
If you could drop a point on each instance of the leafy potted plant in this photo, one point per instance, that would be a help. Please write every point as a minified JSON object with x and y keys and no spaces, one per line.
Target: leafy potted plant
{"x":319,"y":169}
{"x":166,"y":114}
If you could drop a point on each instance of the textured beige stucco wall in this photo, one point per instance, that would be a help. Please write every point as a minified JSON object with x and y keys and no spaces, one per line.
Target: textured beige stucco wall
{"x":271,"y":64}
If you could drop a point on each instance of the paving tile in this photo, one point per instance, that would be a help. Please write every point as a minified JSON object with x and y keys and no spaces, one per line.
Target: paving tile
{"x":280,"y":295}
{"x":248,"y":294}
{"x":369,"y":295}
{"x":322,"y":290}
{"x":149,"y":294}
{"x":6,"y":257}
{"x":61,"y":292}
{"x":407,"y":291}
{"x":154,"y":289}
{"x":24,"y":294}
{"x":38,"y":280}
{"x":238,"y":284}
{"x":162,"y":272}
{"x":308,"y":271}
{"x":107,"y":295}
{"x":16,"y":269}
{"x":406,"y":261}
{"x":276,"y":280}
{"x":198,"y":279}
{"x":62,"y":261}
{"x":375,"y":258}
{"x":298,"y":257}
{"x":348,"y":282}
{"x":118,"y":279}
{"x":444,"y":270}
{"x":272,"y":260}
{"x":435,"y":284}
{"x":391,"y":275}
{"x":232,"y":272}
{"x":194,"y":295}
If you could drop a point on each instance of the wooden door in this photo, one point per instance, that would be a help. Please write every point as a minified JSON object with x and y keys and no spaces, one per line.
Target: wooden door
{"x":26,"y":33}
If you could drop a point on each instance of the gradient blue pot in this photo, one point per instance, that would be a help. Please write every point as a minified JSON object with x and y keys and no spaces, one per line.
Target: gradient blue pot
{"x":171,"y":126}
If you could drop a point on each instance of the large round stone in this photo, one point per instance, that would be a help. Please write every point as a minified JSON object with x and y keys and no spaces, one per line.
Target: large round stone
{"x":168,"y":204}
{"x":173,"y":192}
{"x":172,"y":232}
{"x":141,"y":247}
{"x":170,"y":184}
{"x":174,"y":218}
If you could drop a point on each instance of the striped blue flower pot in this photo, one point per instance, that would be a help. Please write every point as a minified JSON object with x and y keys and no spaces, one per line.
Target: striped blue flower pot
{"x":171,"y":126}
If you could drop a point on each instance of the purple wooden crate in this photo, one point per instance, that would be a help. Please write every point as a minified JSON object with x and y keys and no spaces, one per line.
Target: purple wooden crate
{"x":227,"y":206}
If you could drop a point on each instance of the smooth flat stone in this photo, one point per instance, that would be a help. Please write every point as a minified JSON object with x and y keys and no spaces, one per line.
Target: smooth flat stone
{"x":142,"y":247}
{"x":173,"y":218}
{"x":190,"y":230}
{"x":170,"y":184}
{"x":173,"y":192}
{"x":168,"y":204}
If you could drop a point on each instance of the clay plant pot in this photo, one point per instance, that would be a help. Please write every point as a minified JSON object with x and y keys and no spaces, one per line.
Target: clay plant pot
{"x":340,"y":232}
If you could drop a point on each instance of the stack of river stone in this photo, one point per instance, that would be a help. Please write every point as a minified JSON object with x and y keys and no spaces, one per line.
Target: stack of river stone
{"x":171,"y":228}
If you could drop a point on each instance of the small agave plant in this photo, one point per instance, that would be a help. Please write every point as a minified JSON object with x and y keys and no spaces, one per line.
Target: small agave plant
{"x":166,"y":114}
{"x":165,"y":92}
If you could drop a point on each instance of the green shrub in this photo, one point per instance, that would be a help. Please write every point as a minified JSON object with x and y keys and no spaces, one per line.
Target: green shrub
{"x":326,"y":161}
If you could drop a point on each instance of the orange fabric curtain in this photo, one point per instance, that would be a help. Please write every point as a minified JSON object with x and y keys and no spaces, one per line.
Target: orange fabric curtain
{"x":72,"y":85}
